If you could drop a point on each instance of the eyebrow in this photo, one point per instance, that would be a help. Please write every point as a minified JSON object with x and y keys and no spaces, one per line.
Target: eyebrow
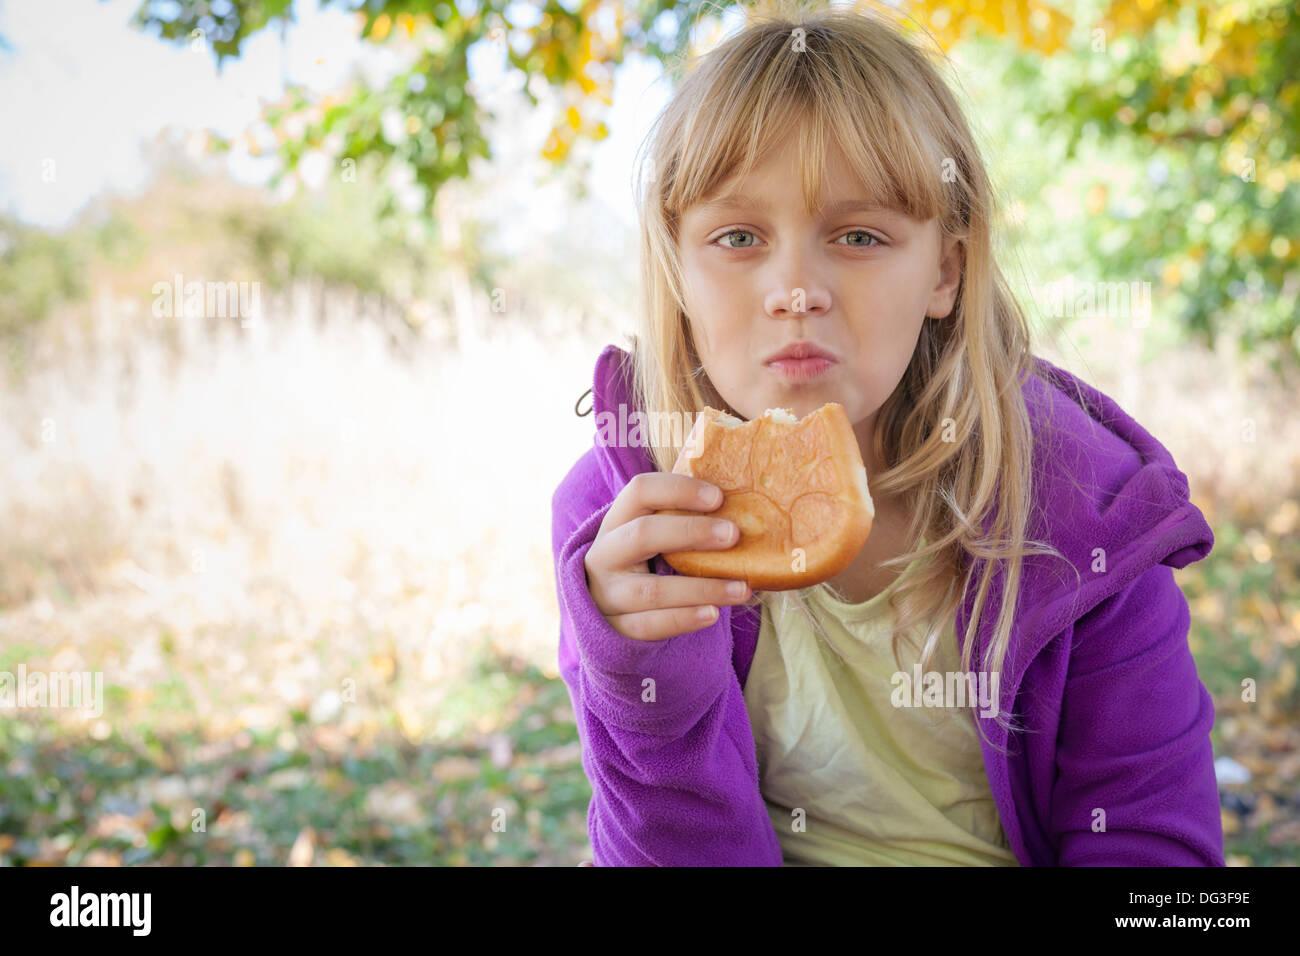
{"x":743,"y":201}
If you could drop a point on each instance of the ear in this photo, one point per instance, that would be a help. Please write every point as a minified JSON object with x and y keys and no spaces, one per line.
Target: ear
{"x":951,"y":263}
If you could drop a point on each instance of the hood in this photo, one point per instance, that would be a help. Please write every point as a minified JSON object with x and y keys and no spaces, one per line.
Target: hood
{"x":612,"y":407}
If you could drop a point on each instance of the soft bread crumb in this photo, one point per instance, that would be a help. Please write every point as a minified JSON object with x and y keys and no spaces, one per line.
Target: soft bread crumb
{"x":728,"y":421}
{"x":862,"y":486}
{"x":782,"y":416}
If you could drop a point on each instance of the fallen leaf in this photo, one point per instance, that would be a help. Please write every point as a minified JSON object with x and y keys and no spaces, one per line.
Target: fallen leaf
{"x":304,"y":848}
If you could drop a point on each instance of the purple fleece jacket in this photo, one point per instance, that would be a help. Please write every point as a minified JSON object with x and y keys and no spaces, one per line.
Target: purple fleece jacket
{"x":1098,"y":668}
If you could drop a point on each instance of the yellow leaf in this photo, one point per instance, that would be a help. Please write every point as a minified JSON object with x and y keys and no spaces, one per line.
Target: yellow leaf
{"x":383,"y":665}
{"x":1096,"y":198}
{"x":584,"y":55}
{"x":555,"y":148}
{"x":1033,"y":24}
{"x":1125,"y":16}
{"x":381,"y":26}
{"x":304,"y":848}
{"x":1052,"y":37}
{"x":574,"y":117}
{"x":1286,"y":678}
{"x":409,"y":722}
{"x":994,"y":16}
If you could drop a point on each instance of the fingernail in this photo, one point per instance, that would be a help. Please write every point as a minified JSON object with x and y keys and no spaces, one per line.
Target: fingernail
{"x":707,"y":613}
{"x":711,"y":496}
{"x":736,"y":589}
{"x":722,"y":530}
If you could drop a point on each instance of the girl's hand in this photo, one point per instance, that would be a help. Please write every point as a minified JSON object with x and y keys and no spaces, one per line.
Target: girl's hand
{"x":653,"y":607}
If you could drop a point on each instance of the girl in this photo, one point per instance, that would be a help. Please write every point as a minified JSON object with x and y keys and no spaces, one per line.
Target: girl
{"x":1002,"y":676}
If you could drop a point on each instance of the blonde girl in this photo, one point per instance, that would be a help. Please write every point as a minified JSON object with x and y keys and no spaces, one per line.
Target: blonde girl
{"x":1002,"y":676}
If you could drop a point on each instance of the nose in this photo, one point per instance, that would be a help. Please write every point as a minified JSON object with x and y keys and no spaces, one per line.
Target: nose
{"x":799,"y":292}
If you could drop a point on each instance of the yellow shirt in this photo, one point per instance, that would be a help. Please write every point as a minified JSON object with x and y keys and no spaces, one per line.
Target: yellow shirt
{"x":878,"y":785}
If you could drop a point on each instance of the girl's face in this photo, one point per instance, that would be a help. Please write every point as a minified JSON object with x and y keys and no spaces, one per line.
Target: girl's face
{"x":762,"y":273}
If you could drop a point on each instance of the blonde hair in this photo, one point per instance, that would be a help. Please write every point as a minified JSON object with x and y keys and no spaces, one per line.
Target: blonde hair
{"x":858,"y":81}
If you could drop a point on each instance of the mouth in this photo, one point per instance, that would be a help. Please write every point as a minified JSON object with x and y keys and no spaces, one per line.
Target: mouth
{"x":797,"y":371}
{"x":800,"y":363}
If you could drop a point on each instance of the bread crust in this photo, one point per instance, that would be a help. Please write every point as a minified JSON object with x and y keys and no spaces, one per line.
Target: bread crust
{"x":797,"y":489}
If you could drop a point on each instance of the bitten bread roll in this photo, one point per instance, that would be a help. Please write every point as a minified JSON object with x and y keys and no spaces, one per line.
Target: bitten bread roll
{"x":797,"y":489}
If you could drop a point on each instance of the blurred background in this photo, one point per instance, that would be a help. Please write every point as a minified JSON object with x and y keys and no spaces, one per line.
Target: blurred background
{"x":277,"y":279}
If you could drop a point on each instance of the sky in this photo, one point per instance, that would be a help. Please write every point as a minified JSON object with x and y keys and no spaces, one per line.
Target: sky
{"x":82,"y":90}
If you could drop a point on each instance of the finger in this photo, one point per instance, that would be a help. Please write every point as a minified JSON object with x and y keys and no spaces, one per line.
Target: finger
{"x":644,"y":537}
{"x":653,"y":491}
{"x":631,"y":593}
{"x":662,"y":624}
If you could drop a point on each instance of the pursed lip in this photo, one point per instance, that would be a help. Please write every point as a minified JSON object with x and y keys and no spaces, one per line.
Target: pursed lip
{"x":800,"y":350}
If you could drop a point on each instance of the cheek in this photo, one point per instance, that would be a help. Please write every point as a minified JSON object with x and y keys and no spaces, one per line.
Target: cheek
{"x":700,"y":290}
{"x":884,"y":350}
{"x":909,"y":287}
{"x":898,"y":309}
{"x":715,"y":321}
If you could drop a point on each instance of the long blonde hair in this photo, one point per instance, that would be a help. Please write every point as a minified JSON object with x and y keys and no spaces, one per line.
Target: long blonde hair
{"x":858,"y":81}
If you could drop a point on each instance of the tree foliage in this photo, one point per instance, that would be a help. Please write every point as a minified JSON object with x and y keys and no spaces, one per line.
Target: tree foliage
{"x":1199,"y":93}
{"x":428,"y":116}
{"x":1202,"y":93}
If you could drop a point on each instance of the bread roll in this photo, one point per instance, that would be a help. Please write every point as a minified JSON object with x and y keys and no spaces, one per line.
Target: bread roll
{"x":797,"y":489}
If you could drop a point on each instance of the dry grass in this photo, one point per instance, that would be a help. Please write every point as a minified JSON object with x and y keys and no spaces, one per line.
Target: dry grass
{"x":1226,"y":419}
{"x":283,"y":508}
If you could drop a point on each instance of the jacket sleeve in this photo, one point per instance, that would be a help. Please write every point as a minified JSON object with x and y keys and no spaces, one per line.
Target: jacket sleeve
{"x":666,"y":741}
{"x":1134,"y":737}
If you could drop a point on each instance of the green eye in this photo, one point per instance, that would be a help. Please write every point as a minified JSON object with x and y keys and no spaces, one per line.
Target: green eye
{"x":863,"y":245}
{"x":734,"y":232}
